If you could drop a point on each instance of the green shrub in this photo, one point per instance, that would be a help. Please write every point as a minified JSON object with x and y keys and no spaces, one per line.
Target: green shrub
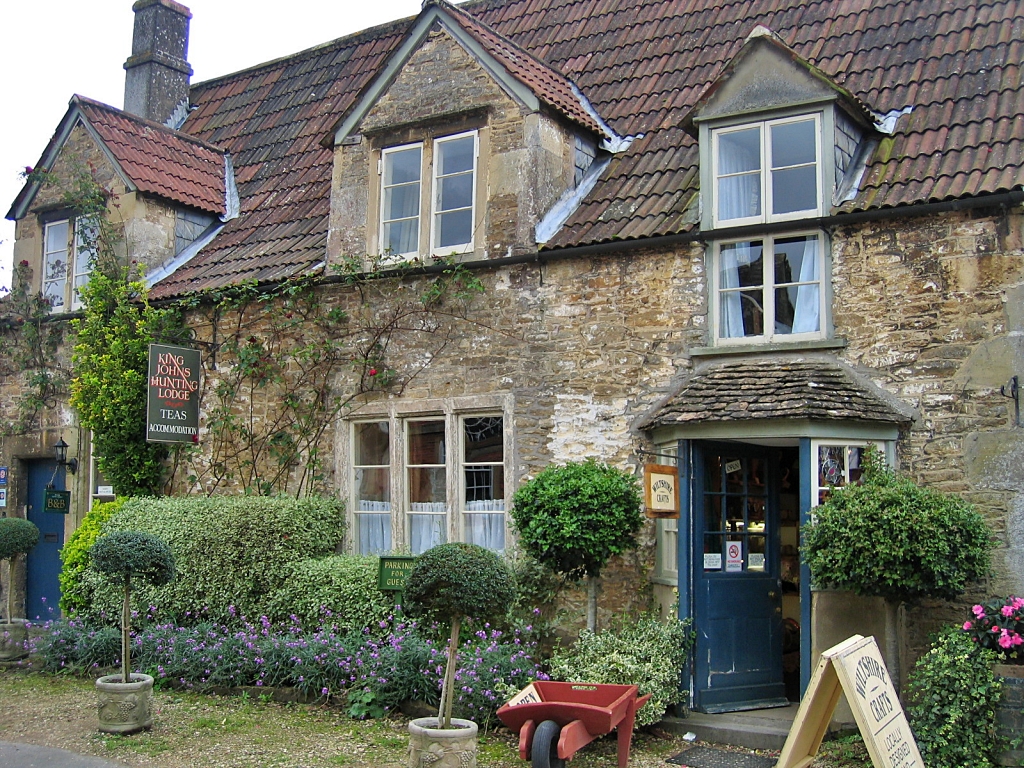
{"x":643,"y":651}
{"x":232,"y":552}
{"x":953,"y":696}
{"x":890,"y":538}
{"x":459,"y":580}
{"x":75,"y":595}
{"x":122,"y":556}
{"x":345,"y":586}
{"x":17,"y":536}
{"x":573,"y":518}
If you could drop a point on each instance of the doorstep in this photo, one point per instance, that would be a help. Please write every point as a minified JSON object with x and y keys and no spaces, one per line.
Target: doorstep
{"x":753,"y":729}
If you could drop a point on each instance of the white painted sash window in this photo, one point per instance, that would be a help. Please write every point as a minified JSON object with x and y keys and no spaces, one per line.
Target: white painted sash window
{"x":69,"y":252}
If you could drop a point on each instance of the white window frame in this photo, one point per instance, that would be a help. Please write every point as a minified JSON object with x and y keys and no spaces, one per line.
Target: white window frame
{"x":885,"y":447}
{"x":768,"y":287}
{"x":384,"y":158}
{"x":766,"y":170}
{"x":78,"y":263}
{"x":428,"y":229}
{"x":454,"y":465}
{"x":356,"y":504}
{"x":666,"y":531}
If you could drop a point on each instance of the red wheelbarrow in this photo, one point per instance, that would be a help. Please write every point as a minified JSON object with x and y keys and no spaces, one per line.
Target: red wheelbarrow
{"x":555,"y":720}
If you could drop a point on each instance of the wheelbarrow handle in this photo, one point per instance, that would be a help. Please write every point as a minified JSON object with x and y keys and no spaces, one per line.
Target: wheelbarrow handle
{"x":641,"y":700}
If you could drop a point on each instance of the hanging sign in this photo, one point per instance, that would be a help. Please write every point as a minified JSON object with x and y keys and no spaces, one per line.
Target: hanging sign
{"x":172,"y":412}
{"x":661,"y":490}
{"x":854,"y":667}
{"x":56,"y":501}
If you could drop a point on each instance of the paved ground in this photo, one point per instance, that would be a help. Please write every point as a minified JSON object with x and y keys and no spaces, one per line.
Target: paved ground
{"x":30,"y":756}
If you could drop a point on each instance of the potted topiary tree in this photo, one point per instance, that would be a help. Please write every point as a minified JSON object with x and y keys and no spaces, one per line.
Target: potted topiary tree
{"x":125,"y":698}
{"x":573,"y":518}
{"x":17,"y":537}
{"x":448,"y":583}
{"x":890,"y":538}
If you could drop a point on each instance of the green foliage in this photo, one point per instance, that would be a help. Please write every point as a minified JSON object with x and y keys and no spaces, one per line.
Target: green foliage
{"x":642,"y":651}
{"x":110,"y":361}
{"x":573,"y":518}
{"x":17,"y":536}
{"x":232,"y":552}
{"x":340,"y":590}
{"x":891,"y":538}
{"x":953,"y":695}
{"x":457,"y":579}
{"x":74,"y":555}
{"x":124,"y":555}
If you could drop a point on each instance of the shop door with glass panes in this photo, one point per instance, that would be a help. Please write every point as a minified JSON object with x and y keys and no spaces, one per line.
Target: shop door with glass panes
{"x":737,"y":586}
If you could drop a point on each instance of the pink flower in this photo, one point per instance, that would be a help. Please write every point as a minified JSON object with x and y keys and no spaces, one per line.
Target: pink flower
{"x":967,"y":625}
{"x":1005,"y":641}
{"x":978,"y":611}
{"x":1006,"y":610}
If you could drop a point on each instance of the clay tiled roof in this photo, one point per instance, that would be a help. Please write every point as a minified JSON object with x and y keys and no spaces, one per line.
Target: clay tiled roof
{"x":160,"y":161}
{"x":775,"y":389}
{"x":955,"y":70}
{"x":550,"y":86}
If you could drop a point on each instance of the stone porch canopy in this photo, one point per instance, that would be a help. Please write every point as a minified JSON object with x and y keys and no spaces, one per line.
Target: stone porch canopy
{"x":760,"y":390}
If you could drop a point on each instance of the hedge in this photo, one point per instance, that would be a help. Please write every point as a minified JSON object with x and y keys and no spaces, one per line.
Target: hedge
{"x":232,"y":552}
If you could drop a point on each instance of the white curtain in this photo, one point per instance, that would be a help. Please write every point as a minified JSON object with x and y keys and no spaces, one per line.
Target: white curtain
{"x":731,"y":311}
{"x":427,"y":530}
{"x":484,"y":527}
{"x":373,"y":520}
{"x":739,"y":152}
{"x":807,"y":315}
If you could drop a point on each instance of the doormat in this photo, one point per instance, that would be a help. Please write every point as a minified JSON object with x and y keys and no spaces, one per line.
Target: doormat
{"x":705,"y":757}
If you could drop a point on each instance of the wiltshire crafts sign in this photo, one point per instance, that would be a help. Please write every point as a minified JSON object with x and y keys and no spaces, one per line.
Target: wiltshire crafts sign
{"x":172,"y":412}
{"x":661,"y":490}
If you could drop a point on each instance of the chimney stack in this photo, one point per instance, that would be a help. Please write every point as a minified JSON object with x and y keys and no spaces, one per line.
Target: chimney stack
{"x":157,"y":75}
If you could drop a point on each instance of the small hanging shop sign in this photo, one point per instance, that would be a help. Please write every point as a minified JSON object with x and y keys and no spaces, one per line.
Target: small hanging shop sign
{"x":661,"y":490}
{"x":172,"y":411}
{"x":56,"y":501}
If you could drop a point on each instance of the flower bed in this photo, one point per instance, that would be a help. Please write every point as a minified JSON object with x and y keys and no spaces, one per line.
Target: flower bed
{"x":372,"y":672}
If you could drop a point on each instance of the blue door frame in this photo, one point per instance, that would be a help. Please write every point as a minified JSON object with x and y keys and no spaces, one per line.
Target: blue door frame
{"x":736,"y":606}
{"x":42,"y":585}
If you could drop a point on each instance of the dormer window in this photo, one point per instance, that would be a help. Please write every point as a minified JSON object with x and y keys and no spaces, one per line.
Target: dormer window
{"x":438,"y":177}
{"x":69,"y":251}
{"x":767,"y":171}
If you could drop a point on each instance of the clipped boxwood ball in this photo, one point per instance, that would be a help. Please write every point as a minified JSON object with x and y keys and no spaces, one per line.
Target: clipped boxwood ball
{"x":17,"y":536}
{"x":459,"y":579}
{"x":123,"y":555}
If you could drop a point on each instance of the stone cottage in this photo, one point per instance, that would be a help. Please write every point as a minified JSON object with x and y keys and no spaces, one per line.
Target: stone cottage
{"x":745,"y":240}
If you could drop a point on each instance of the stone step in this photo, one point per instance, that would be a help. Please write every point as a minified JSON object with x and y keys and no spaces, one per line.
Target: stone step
{"x":756,"y":729}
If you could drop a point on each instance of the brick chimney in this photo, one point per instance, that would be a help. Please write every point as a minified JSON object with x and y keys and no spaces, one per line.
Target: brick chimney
{"x":157,"y":75}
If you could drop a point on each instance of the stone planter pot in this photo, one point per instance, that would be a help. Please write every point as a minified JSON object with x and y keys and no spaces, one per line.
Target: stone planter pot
{"x":125,"y":707}
{"x":13,"y":640}
{"x":435,"y":747}
{"x":1010,"y":710}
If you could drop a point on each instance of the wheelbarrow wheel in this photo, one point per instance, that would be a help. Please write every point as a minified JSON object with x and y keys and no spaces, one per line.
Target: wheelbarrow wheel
{"x":545,"y":746}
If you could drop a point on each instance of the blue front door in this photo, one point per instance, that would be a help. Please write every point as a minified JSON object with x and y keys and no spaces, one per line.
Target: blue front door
{"x":736,"y":577}
{"x":42,"y":587}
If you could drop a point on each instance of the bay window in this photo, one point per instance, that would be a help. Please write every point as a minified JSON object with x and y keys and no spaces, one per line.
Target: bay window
{"x":769,"y":288}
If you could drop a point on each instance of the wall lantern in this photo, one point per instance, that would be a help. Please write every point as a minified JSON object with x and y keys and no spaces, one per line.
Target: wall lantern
{"x":60,"y":453}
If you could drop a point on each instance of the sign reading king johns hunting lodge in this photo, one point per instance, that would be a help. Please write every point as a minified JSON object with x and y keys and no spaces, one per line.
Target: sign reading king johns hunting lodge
{"x":172,"y":413}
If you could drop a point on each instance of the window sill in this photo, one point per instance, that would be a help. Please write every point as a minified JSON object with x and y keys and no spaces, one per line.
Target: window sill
{"x":748,"y":349}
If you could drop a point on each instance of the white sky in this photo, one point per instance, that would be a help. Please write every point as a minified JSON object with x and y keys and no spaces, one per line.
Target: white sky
{"x":53,"y":49}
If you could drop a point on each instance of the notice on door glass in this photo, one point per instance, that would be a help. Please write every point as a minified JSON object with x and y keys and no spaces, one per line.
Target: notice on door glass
{"x":756,"y":561}
{"x":713,"y":561}
{"x":733,"y":556}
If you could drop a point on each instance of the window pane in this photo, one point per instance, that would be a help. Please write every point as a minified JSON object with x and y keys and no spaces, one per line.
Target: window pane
{"x":426,"y":442}
{"x":373,"y":491}
{"x":797,"y":307}
{"x":485,"y":488}
{"x":484,"y":530}
{"x":401,"y":236}
{"x":374,"y":533}
{"x":456,"y":155}
{"x":402,"y":166}
{"x":426,"y":531}
{"x":739,"y":151}
{"x":484,"y":439}
{"x":793,"y":144}
{"x":373,"y":443}
{"x":795,"y":189}
{"x":455,"y":192}
{"x":401,"y":202}
{"x":427,"y":489}
{"x":57,"y":237}
{"x":455,"y":229}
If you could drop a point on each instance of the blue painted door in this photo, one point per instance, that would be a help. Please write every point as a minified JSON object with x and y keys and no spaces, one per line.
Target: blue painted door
{"x":42,"y":587}
{"x":736,"y":577}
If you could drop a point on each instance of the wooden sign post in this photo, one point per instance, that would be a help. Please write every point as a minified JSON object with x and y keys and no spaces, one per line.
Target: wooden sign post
{"x":854,"y":667}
